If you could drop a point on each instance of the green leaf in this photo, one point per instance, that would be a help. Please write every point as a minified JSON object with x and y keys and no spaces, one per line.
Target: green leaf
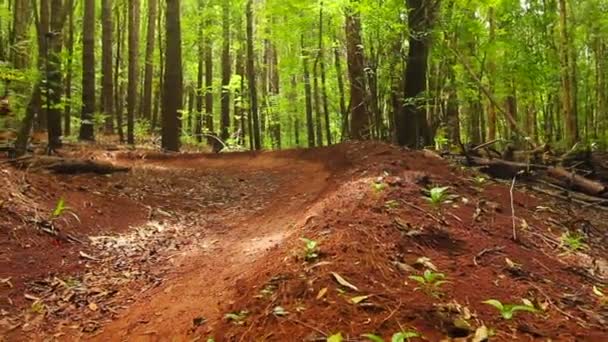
{"x":59,"y":208}
{"x":373,"y":338}
{"x":335,"y":338}
{"x":495,"y":303}
{"x":358,"y":299}
{"x":344,"y":282}
{"x":404,"y":336}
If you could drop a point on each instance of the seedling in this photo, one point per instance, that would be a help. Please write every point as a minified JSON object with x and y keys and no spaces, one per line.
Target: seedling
{"x":603,"y":297}
{"x":60,"y":208}
{"x":335,"y":338}
{"x":391,"y":204}
{"x":401,"y":336}
{"x":480,"y":180}
{"x":573,"y":242}
{"x":378,"y":187}
{"x":430,"y":282}
{"x":237,"y":317}
{"x":311,"y":249}
{"x":438,"y":196}
{"x":507,"y":311}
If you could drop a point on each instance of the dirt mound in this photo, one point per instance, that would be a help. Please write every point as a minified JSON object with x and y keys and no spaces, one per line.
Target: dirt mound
{"x":230,"y":261}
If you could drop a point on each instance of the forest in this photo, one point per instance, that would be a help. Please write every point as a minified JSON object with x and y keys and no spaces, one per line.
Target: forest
{"x":304,"y":170}
{"x":260,"y":74}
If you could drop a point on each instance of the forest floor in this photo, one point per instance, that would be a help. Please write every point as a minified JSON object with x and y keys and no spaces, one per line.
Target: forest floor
{"x":190,"y":247}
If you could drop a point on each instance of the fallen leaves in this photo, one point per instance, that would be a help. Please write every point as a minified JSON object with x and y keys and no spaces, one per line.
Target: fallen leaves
{"x":344,"y":282}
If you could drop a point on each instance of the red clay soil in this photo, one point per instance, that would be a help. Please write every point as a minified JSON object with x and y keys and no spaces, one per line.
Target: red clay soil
{"x":240,"y":217}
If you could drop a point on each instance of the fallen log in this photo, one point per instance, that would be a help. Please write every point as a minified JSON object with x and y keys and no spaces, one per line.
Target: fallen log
{"x":575,"y":181}
{"x":68,"y":165}
{"x":507,"y":169}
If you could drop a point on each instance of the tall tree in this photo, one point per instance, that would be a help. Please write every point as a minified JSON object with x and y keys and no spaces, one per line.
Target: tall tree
{"x":54,"y":76}
{"x":253,"y":93}
{"x":67,"y":115}
{"x":87,"y":126}
{"x":413,"y":128}
{"x":173,"y":83}
{"x":107,"y":64}
{"x":226,"y":72}
{"x":568,"y":79}
{"x":310,"y":126}
{"x":359,"y":123}
{"x":134,"y":8}
{"x":149,"y":67}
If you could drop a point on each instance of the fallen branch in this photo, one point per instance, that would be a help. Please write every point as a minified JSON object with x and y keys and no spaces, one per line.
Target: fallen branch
{"x":578,"y":182}
{"x":68,"y":165}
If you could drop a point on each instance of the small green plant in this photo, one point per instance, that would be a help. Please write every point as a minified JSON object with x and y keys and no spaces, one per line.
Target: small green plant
{"x":237,"y":317}
{"x":480,"y":180}
{"x":438,"y":196}
{"x":603,"y":298}
{"x":378,"y":186}
{"x":401,"y":336}
{"x":335,"y":338}
{"x":430,"y":282}
{"x":142,"y":130}
{"x":507,"y":311}
{"x":573,"y":242}
{"x":60,"y":208}
{"x":311,"y":249}
{"x":391,"y":204}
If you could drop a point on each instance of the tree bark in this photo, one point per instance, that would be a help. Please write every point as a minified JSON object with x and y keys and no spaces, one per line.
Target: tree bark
{"x":226,"y":73}
{"x":251,"y":76}
{"x":149,"y":67}
{"x":324,"y":76}
{"x":87,"y":127}
{"x":172,"y":95}
{"x":107,"y":65}
{"x":308,"y":92}
{"x":567,"y":69}
{"x":359,"y":125}
{"x":413,"y":129}
{"x":133,"y":78}
{"x":67,"y":115}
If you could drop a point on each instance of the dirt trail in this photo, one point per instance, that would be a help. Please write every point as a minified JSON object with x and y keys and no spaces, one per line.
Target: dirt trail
{"x":183,"y":240}
{"x":209,"y":279}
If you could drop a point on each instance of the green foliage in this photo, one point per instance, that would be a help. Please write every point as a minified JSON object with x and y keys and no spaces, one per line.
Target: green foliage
{"x":379,"y":186}
{"x":141,"y":130}
{"x":507,"y":311}
{"x":60,"y":208}
{"x":335,"y":338}
{"x":573,"y":242}
{"x":311,"y":249}
{"x":430,"y":282}
{"x":401,"y":336}
{"x":237,"y":317}
{"x":438,"y":196}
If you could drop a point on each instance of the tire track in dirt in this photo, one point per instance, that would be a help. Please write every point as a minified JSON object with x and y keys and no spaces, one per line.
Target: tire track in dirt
{"x":210,"y":278}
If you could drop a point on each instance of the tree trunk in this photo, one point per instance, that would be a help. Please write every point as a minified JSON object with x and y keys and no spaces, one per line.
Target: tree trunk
{"x":226,"y":73}
{"x":317,"y":105}
{"x":491,"y":76}
{"x":359,"y":125}
{"x":340,"y":80}
{"x":54,"y":75}
{"x":568,"y":101}
{"x":324,"y":77}
{"x":172,"y":95}
{"x":107,"y":77}
{"x":253,"y":93}
{"x":87,"y":127}
{"x":198,"y":130}
{"x":42,"y":27}
{"x":67,"y":115}
{"x":133,"y":77}
{"x":149,"y":68}
{"x":413,"y":129}
{"x":119,"y":87}
{"x":310,"y":129}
